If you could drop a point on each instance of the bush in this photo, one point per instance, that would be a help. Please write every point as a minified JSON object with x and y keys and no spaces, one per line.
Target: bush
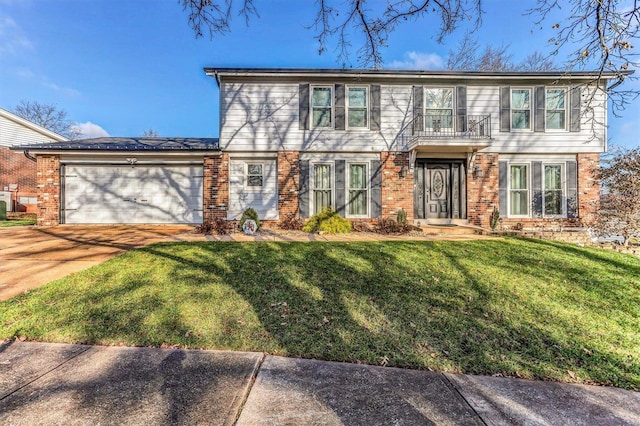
{"x":290,"y":223}
{"x":218,"y":226}
{"x":249,"y":214}
{"x":494,"y":219}
{"x":390,"y":226}
{"x":360,"y":226}
{"x":402,"y":217}
{"x":328,"y":221}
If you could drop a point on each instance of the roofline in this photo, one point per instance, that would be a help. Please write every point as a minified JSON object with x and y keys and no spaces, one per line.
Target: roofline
{"x":148,"y":152}
{"x":31,"y":125}
{"x":387,"y":73}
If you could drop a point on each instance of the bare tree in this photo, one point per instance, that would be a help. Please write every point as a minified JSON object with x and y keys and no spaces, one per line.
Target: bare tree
{"x":48,"y":116}
{"x":619,"y":212}
{"x":151,"y":133}
{"x":470,"y":57}
{"x":537,"y":61}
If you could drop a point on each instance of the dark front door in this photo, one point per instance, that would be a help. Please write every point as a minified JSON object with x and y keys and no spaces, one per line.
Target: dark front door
{"x":439,"y":190}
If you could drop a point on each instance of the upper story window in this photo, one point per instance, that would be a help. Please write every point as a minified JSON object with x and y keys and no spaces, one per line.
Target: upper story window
{"x":555,"y":109}
{"x":438,"y":108}
{"x":357,"y":107}
{"x":521,"y":109}
{"x":321,"y":106}
{"x":255,"y":175}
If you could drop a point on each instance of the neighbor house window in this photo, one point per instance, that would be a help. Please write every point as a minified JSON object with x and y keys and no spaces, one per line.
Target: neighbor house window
{"x":357,"y":108}
{"x":521,"y":109}
{"x":555,"y":109}
{"x":322,"y":195}
{"x":26,"y":200}
{"x":518,"y":190}
{"x":438,"y":108}
{"x":321,"y":106}
{"x":553,"y":190}
{"x":357,"y":194}
{"x":255,"y":175}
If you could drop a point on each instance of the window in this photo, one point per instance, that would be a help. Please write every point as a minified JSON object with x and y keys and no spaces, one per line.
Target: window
{"x":255,"y":175}
{"x":555,"y":101}
{"x":357,"y":200}
{"x":357,"y":107}
{"x":521,"y":109}
{"x":438,"y":109}
{"x":26,"y":200}
{"x":553,"y":204}
{"x":518,"y":190}
{"x":322,"y":196}
{"x":321,"y":105}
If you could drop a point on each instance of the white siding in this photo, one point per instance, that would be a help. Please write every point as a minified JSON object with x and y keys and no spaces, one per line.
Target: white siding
{"x":258,"y":116}
{"x":14,"y":133}
{"x":264,"y":200}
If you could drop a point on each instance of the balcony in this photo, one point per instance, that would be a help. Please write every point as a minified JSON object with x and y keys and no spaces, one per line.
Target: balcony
{"x":459,"y":133}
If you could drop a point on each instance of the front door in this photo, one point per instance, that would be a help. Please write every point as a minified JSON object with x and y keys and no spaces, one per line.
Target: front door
{"x":439,"y":190}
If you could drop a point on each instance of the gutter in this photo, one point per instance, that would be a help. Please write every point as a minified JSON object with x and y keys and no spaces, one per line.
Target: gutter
{"x":29,"y":156}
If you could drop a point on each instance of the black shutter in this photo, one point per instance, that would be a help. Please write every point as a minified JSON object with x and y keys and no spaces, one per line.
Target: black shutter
{"x":503,"y":179}
{"x":303,"y":107}
{"x":461,"y":108}
{"x":505,"y":109}
{"x":376,"y":189}
{"x":339,"y":107}
{"x":575,"y":100}
{"x":572,"y":188}
{"x":303,"y":193}
{"x":537,"y":188}
{"x":418,"y":108}
{"x":340,"y":190}
{"x":375,"y":107}
{"x":539,"y":117}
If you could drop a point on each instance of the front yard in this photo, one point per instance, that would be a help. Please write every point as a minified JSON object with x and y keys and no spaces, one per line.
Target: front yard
{"x":525,"y":308}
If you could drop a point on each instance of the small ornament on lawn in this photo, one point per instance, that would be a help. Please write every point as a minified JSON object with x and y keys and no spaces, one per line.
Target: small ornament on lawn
{"x":249,"y":227}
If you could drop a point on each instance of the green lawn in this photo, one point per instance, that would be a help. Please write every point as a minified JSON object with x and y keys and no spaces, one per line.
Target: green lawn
{"x":16,"y":222}
{"x":525,"y":308}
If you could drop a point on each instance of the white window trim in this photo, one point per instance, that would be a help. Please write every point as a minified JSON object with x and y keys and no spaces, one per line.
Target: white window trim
{"x":312,"y":184}
{"x":529,"y":180}
{"x":563,"y":180}
{"x":453,"y":107}
{"x":246,"y":176}
{"x":346,"y":106}
{"x":566,"y":109}
{"x":368,"y":189}
{"x":531,"y":109}
{"x":333,"y":106}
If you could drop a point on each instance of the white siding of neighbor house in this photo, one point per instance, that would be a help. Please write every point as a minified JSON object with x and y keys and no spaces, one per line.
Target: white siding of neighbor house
{"x":259,"y":116}
{"x":14,"y":133}
{"x":263,"y":200}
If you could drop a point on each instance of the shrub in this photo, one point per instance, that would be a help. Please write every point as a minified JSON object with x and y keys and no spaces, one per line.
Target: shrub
{"x":335,"y":224}
{"x":401,"y":217}
{"x":494,"y":219}
{"x":291,"y":223}
{"x":360,"y":226}
{"x":217,"y":226}
{"x":249,"y":214}
{"x":390,"y":226}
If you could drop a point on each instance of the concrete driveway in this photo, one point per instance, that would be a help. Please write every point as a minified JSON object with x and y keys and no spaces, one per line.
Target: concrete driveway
{"x":32,"y":256}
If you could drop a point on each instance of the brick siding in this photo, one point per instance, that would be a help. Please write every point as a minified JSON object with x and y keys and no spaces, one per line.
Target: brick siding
{"x":15,"y":168}
{"x":48,"y":183}
{"x":482,"y":191}
{"x":397,"y":191}
{"x":216,"y":187}
{"x":288,"y":183}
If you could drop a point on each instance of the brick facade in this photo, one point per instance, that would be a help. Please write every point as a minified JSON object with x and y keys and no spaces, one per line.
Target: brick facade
{"x":588,"y":187}
{"x":482,"y":191}
{"x":17,"y":169}
{"x":288,"y":183}
{"x":397,"y":190}
{"x":216,"y":187}
{"x":48,"y":183}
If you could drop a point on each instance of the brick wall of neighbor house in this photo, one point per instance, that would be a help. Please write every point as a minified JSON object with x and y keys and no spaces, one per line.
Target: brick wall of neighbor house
{"x":216,"y":187}
{"x":288,"y":181}
{"x":18,"y":169}
{"x":48,"y":183}
{"x":482,"y":191}
{"x":397,"y":192}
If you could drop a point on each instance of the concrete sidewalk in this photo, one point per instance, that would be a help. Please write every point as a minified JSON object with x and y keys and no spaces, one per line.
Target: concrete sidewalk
{"x":44,"y":383}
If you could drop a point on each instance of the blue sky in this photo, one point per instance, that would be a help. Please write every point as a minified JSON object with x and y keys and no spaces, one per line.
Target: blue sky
{"x":122,"y":67}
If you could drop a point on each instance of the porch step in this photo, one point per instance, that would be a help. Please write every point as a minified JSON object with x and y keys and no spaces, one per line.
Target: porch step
{"x":448,"y":227}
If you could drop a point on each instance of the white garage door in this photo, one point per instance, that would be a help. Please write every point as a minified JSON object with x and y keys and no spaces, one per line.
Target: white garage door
{"x":139,"y":194}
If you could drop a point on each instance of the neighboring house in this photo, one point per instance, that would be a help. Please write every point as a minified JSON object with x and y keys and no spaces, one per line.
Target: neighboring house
{"x":17,"y":172}
{"x":443,"y":146}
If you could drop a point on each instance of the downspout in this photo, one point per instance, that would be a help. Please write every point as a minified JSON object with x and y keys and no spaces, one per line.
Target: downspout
{"x":29,"y":156}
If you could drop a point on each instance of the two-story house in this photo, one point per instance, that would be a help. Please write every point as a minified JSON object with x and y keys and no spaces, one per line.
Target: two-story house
{"x":443,"y":146}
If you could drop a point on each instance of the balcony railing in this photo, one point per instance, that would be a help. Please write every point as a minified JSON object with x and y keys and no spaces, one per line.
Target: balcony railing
{"x":450,"y":126}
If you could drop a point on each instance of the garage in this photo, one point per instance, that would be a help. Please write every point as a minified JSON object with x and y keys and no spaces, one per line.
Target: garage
{"x":132,"y":194}
{"x":114,"y":180}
